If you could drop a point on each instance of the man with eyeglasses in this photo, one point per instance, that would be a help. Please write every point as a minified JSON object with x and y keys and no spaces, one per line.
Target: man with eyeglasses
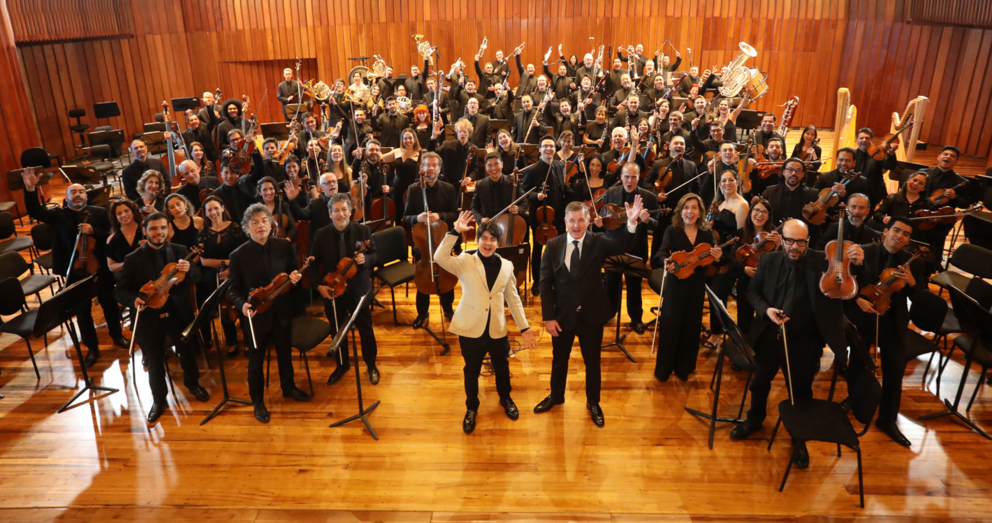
{"x":786,"y":297}
{"x":790,"y":194}
{"x":893,"y":324}
{"x":683,"y":170}
{"x":317,"y":213}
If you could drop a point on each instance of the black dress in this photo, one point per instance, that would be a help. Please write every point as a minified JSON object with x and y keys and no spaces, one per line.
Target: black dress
{"x":118,"y":246}
{"x":218,"y":245}
{"x":681,"y":314}
{"x":725,"y":225}
{"x":186,"y":237}
{"x":405,"y":173}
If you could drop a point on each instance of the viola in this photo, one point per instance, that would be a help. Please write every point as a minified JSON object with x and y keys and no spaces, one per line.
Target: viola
{"x":84,"y":253}
{"x":347,"y":268}
{"x":927,"y":219}
{"x":880,"y":294}
{"x":599,"y":197}
{"x":261,"y":299}
{"x":939,"y":197}
{"x":287,"y":146}
{"x":816,"y":212}
{"x":879,"y":152}
{"x":837,"y":281}
{"x":429,"y":277}
{"x":684,"y":263}
{"x":749,"y":255}
{"x":544,"y":229}
{"x":156,"y":292}
{"x":619,"y":160}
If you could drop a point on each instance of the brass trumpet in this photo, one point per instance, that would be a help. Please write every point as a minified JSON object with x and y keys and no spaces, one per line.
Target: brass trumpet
{"x":484,"y":46}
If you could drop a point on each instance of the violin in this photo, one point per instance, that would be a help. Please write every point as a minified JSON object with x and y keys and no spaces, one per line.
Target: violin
{"x":749,"y":255}
{"x":572,"y":168}
{"x":619,"y":160}
{"x":156,"y":292}
{"x":429,"y":277}
{"x":928,"y":219}
{"x":816,"y":212}
{"x":261,"y":299}
{"x":768,"y":168}
{"x":287,"y":146}
{"x":879,"y":152}
{"x":808,"y":155}
{"x":469,"y":235}
{"x":281,"y":219}
{"x":598,"y":198}
{"x":939,"y":197}
{"x":241,"y":161}
{"x":684,"y":263}
{"x":615,"y":216}
{"x":880,"y":294}
{"x":665,"y":178}
{"x":837,"y":281}
{"x":85,"y":250}
{"x":347,"y":267}
{"x":544,"y":230}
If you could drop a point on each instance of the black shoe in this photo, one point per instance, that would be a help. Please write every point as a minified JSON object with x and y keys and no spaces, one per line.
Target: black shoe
{"x":374,"y":376}
{"x":663,"y":380}
{"x":232,"y":352}
{"x":891,"y":430}
{"x":681,"y":377}
{"x":157,"y":410}
{"x":121,"y":341}
{"x":597,"y":415}
{"x":638,"y":326}
{"x":296,"y":394}
{"x":546,"y":404}
{"x":200,"y":393}
{"x":845,"y":405}
{"x":448,"y":315}
{"x":337,"y":374}
{"x":535,"y":291}
{"x":421,"y":321}
{"x":262,"y":413}
{"x":745,"y":429}
{"x":800,"y":456}
{"x":91,"y":356}
{"x":510,"y":408}
{"x":468,"y":424}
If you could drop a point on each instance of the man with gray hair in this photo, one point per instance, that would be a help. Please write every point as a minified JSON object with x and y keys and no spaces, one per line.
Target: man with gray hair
{"x":193,"y":182}
{"x":141,"y":162}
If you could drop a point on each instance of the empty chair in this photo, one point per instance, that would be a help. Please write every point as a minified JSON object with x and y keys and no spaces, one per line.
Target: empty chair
{"x":394,"y":268}
{"x":308,"y":333}
{"x":80,"y":127}
{"x":43,"y":235}
{"x":9,"y":241}
{"x":23,"y":324}
{"x":13,"y":265}
{"x":103,"y":167}
{"x":927,"y":313}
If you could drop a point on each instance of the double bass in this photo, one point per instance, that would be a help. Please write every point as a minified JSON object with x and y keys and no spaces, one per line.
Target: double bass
{"x":513,"y":227}
{"x":429,"y":277}
{"x":173,"y":138}
{"x":837,"y":281}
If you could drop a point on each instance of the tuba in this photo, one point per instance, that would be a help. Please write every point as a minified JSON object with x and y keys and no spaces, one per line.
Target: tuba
{"x":737,"y":76}
{"x":424,"y":48}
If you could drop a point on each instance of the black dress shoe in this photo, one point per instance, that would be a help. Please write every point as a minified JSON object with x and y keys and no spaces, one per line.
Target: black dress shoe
{"x":468,"y":424}
{"x":200,"y":393}
{"x":681,"y":377}
{"x":800,"y":456}
{"x":745,"y":429}
{"x":157,"y":410}
{"x":510,"y":408}
{"x":662,"y":379}
{"x":337,"y":374}
{"x":296,"y":394}
{"x":121,"y":341}
{"x":546,"y":404}
{"x":261,"y":413}
{"x":638,"y":327}
{"x":597,"y":415}
{"x":232,"y":351}
{"x":374,"y":376}
{"x":891,"y":430}
{"x":91,"y":356}
{"x":421,"y":321}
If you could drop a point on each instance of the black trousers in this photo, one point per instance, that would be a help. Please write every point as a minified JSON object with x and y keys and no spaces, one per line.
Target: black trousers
{"x":154,"y":330}
{"x":893,"y":360}
{"x":678,"y":334}
{"x":111,"y":309}
{"x":280,"y":335}
{"x":424,"y":302}
{"x":745,"y":312}
{"x":804,"y":360}
{"x":590,"y":342}
{"x":635,"y":307}
{"x":535,"y":262}
{"x":474,"y":350}
{"x":363,"y":323}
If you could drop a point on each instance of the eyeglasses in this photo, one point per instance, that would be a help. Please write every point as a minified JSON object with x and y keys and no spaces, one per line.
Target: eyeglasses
{"x":792,"y":170}
{"x":759,"y":211}
{"x":792,"y":241}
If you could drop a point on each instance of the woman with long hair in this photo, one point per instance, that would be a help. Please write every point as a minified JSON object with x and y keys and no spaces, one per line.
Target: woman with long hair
{"x":339,"y":166}
{"x":806,"y":146}
{"x":198,"y":155}
{"x":125,"y":232}
{"x":507,"y":150}
{"x":184,"y":226}
{"x":219,"y":237}
{"x":759,"y":221}
{"x":731,"y":213}
{"x":268,"y":193}
{"x":405,"y":161}
{"x":422,"y":123}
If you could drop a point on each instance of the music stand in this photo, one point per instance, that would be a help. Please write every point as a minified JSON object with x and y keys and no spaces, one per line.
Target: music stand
{"x":341,"y":338}
{"x":16,"y":183}
{"x":114,"y":139}
{"x":626,"y":265}
{"x":496,"y":125}
{"x":181,"y":105}
{"x":205,"y":315}
{"x":154,"y":140}
{"x":152,"y":127}
{"x":289,"y":110}
{"x":749,"y":120}
{"x":530,"y":151}
{"x":106,"y":110}
{"x":277,"y":130}
{"x":379,"y":225}
{"x":742,"y":351}
{"x":62,"y":308}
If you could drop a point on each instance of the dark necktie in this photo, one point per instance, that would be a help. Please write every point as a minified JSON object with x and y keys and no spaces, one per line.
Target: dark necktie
{"x":342,"y":247}
{"x":573,"y":264}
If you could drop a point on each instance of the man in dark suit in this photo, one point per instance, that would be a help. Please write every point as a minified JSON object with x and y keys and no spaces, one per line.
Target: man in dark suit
{"x":790,"y":194}
{"x":317,"y":212}
{"x":288,"y":91}
{"x":481,"y":133}
{"x":855,"y":229}
{"x":834,"y":179}
{"x":141,"y":163}
{"x":253,"y":266}
{"x":894,"y":324}
{"x":67,"y":222}
{"x":237,"y":192}
{"x":785,"y":295}
{"x":455,"y":152}
{"x":331,"y":245}
{"x":528,"y":126}
{"x":495,"y":192}
{"x":872,"y":169}
{"x":625,"y":194}
{"x":140,"y":267}
{"x":572,"y":303}
{"x":194,"y":182}
{"x":548,"y":171}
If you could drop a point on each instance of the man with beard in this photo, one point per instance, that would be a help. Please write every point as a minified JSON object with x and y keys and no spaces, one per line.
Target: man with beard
{"x":622,"y":94}
{"x":317,"y":212}
{"x":237,"y":192}
{"x":193,"y":183}
{"x":145,"y":265}
{"x":547,"y":176}
{"x":774,"y":152}
{"x":390,"y":123}
{"x":651,"y":95}
{"x":416,"y":84}
{"x":709,"y":145}
{"x":351,"y":126}
{"x":855,"y":229}
{"x":561,"y":118}
{"x":790,"y":195}
{"x":231,"y":111}
{"x":67,"y":222}
{"x":871,"y":169}
{"x":367,"y":166}
{"x":586,"y":99}
{"x":202,"y":132}
{"x":288,"y":91}
{"x":767,"y":131}
{"x":141,"y":162}
{"x":845,"y":167}
{"x":682,"y":170}
{"x":675,"y":120}
{"x":527,"y":125}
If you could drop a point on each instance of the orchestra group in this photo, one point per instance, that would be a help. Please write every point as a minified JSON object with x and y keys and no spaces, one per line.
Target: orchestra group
{"x":583,"y":162}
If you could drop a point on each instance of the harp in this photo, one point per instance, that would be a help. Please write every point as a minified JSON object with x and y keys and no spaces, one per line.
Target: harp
{"x":916,"y":111}
{"x":845,"y":126}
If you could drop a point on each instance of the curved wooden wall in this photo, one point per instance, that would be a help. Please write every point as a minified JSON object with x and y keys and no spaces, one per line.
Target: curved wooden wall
{"x":19,"y":131}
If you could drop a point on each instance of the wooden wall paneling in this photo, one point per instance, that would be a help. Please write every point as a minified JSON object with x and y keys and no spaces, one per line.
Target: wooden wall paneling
{"x":964,"y":79}
{"x":978,"y":99}
{"x":933,"y":127}
{"x":984,"y":109}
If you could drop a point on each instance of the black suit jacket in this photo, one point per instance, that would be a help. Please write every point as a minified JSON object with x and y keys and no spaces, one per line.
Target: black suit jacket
{"x":860,"y":235}
{"x":326,"y":255}
{"x":876,"y":259}
{"x":248,"y":273}
{"x":491,"y":198}
{"x":139,"y":269}
{"x":66,"y":224}
{"x":614,"y":195}
{"x":316,"y":213}
{"x":442,"y":199}
{"x":561,"y":294}
{"x":829,"y":313}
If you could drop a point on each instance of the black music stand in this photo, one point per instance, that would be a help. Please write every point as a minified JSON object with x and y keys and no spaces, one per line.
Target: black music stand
{"x":62,"y":308}
{"x":106,"y":110}
{"x":530,"y":151}
{"x":277,"y":130}
{"x":181,"y":105}
{"x":496,"y":125}
{"x":290,"y":110}
{"x":155,"y":140}
{"x":205,"y":315}
{"x":342,"y":339}
{"x":379,"y":225}
{"x":15,"y":182}
{"x":626,"y":265}
{"x":738,"y":344}
{"x":519,"y":256}
{"x":749,"y":120}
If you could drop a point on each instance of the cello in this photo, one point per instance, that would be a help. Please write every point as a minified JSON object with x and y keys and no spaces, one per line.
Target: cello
{"x":469,"y":235}
{"x":172,"y":138}
{"x":429,"y":277}
{"x":837,"y":281}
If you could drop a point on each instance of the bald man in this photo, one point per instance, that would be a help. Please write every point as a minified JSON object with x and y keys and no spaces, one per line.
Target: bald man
{"x":194,"y":182}
{"x":67,"y":222}
{"x":140,"y":163}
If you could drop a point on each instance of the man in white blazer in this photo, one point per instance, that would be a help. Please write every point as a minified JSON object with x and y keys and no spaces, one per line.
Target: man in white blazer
{"x":479,"y":321}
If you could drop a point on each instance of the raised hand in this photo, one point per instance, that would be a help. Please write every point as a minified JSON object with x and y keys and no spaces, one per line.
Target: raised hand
{"x":30,"y":178}
{"x":464,"y":222}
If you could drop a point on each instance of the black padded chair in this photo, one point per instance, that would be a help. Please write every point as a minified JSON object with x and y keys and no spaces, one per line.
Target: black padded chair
{"x":36,"y":157}
{"x":11,"y":208}
{"x":394,"y":266}
{"x":80,"y":127}
{"x":9,"y":240}
{"x":972,"y":343}
{"x":927,"y":313}
{"x":13,"y":265}
{"x":23,"y":324}
{"x":43,"y":236}
{"x":819,"y":420}
{"x":104,"y":167}
{"x":968,"y":258}
{"x":308,"y":333}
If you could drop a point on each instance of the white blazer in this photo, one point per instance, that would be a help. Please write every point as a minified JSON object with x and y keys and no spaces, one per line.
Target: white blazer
{"x":474,"y":308}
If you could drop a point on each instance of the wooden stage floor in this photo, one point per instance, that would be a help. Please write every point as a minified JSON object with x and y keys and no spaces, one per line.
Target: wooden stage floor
{"x":100,"y":460}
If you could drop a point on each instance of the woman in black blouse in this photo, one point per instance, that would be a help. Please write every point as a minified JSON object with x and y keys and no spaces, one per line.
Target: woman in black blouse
{"x":681,"y":314}
{"x":184,"y":226}
{"x":759,"y":220}
{"x":219,"y":237}
{"x":422,"y":124}
{"x":907,"y":201}
{"x":806,"y":145}
{"x":268,"y":192}
{"x":199,"y":158}
{"x":508,"y":150}
{"x":126,"y":235}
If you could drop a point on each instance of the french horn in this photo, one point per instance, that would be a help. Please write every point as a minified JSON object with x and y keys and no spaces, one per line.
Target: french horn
{"x":424,"y":48}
